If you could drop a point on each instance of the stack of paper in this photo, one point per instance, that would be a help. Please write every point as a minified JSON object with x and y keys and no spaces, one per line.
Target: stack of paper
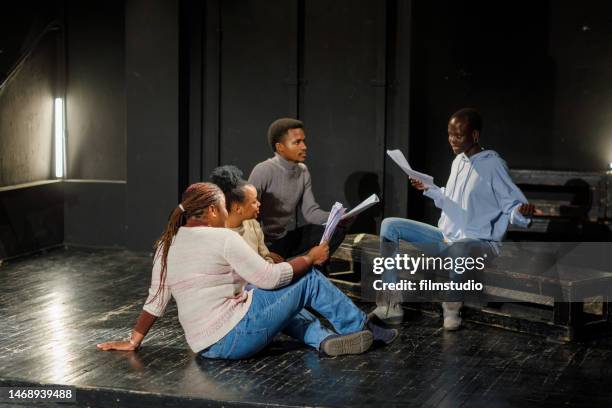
{"x":365,"y":204}
{"x":399,"y":158}
{"x":335,"y":215}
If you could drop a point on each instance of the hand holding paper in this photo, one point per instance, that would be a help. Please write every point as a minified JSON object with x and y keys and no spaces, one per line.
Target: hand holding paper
{"x":319,"y":254}
{"x":361,"y":207}
{"x":418,"y":185}
{"x":398,"y":157}
{"x":335,"y":214}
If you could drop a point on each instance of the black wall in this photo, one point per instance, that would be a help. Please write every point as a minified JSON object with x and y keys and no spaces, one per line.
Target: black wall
{"x":580,"y":38}
{"x":122,"y":94}
{"x":259,"y":75}
{"x":31,"y":217}
{"x":95,"y":90}
{"x":343,"y":99}
{"x":152,"y":113}
{"x":96,"y":159}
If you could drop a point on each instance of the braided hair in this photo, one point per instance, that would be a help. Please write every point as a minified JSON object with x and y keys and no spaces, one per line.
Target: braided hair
{"x":195,"y":200}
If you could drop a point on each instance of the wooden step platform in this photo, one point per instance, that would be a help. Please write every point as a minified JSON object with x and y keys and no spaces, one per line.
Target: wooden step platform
{"x":538,"y":295}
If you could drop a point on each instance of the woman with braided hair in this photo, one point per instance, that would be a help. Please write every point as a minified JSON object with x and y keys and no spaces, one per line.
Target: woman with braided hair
{"x":206,"y":267}
{"x":243,"y":208}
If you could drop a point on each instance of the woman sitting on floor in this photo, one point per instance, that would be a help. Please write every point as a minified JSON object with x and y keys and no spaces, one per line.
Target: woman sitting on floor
{"x":243,"y":208}
{"x":206,"y":267}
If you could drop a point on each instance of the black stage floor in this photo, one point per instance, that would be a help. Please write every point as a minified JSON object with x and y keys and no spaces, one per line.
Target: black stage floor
{"x":55,"y":307}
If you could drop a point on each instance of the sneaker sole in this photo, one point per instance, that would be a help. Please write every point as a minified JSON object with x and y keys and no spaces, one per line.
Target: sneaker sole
{"x":395,"y":336}
{"x":393,"y":321}
{"x":355,"y":343}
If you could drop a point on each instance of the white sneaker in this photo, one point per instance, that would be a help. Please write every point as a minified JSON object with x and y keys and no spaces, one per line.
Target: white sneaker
{"x":391,"y":314}
{"x":452,"y":320}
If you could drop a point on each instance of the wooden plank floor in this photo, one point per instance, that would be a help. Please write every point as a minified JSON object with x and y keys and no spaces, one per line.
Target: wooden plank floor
{"x":55,"y":307}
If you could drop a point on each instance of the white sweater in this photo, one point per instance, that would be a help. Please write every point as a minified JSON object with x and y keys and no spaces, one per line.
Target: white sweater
{"x":208,"y":269}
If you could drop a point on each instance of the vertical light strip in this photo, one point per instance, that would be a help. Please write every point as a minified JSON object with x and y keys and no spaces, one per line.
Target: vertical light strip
{"x":59,"y":137}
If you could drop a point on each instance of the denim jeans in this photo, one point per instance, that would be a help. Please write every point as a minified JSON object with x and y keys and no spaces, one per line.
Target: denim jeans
{"x":430,"y":240}
{"x":282,"y":310}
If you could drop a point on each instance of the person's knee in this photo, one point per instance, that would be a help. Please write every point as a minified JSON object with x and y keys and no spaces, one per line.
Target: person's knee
{"x":465,"y":248}
{"x":388,"y":229}
{"x":312,"y":274}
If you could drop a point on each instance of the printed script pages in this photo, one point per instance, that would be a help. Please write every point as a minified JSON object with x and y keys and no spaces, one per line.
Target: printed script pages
{"x":399,"y":158}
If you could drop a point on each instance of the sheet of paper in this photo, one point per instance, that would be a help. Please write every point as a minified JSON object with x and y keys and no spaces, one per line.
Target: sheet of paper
{"x":335,"y":214}
{"x":398,"y":157}
{"x":364,"y":205}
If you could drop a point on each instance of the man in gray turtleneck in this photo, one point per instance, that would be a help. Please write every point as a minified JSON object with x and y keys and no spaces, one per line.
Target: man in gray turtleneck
{"x":283,"y":182}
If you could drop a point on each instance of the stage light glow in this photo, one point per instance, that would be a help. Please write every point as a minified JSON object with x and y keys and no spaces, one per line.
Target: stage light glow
{"x":60,"y":144}
{"x":57,"y":357}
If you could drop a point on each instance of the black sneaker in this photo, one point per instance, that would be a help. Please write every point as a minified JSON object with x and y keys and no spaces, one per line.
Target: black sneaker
{"x":341,"y":344}
{"x":380,"y":331}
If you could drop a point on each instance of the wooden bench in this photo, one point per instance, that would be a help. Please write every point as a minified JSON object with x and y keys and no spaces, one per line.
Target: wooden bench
{"x":559,"y":300}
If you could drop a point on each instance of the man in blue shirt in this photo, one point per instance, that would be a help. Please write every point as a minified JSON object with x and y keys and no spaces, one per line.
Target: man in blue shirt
{"x":477,"y":203}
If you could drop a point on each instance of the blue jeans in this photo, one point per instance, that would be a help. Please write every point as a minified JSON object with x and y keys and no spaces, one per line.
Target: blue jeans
{"x":430,"y":240}
{"x":282,"y":310}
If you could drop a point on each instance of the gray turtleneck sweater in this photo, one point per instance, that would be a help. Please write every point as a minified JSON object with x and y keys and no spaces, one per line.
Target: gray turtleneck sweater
{"x":281,"y":185}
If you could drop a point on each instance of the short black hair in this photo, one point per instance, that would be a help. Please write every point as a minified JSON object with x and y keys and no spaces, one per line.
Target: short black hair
{"x":229,"y":179}
{"x":278,"y":129}
{"x":473,"y":117}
